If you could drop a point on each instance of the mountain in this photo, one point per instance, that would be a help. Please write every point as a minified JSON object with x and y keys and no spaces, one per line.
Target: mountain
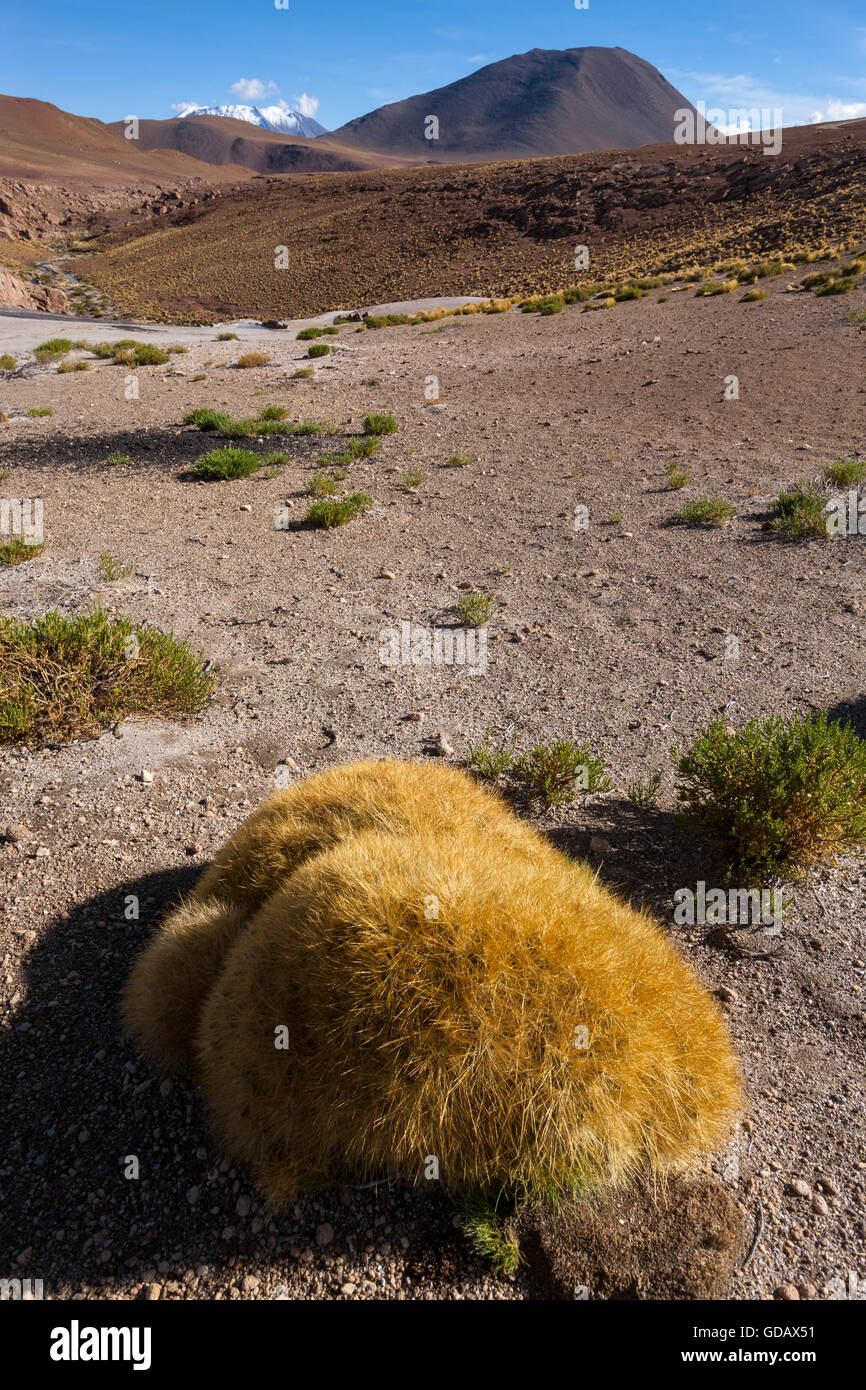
{"x":222,"y":140}
{"x":545,"y":102}
{"x":277,"y":118}
{"x":41,"y":142}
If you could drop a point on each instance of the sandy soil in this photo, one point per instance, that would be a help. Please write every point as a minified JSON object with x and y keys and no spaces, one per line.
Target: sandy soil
{"x":615,"y":632}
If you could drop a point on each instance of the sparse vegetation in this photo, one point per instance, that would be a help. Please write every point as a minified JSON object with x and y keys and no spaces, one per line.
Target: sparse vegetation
{"x":111,"y":569}
{"x":320,"y":485}
{"x":222,"y":465}
{"x":752,"y":296}
{"x":644,"y":792}
{"x":53,"y":347}
{"x":253,"y":359}
{"x":117,"y":459}
{"x":677,"y":477}
{"x":318,"y":350}
{"x":798,"y":512}
{"x":487,"y":1233}
{"x":329,"y":512}
{"x":458,"y":461}
{"x":414,"y":478}
{"x":7,"y":362}
{"x":555,"y":772}
{"x":68,"y":677}
{"x":302,"y":372}
{"x":475,"y":609}
{"x":707,"y":511}
{"x":80,"y":366}
{"x":778,"y":795}
{"x":380,"y":424}
{"x":38,"y":412}
{"x":227,"y":338}
{"x":491,"y":761}
{"x":17,"y":550}
{"x":845,"y":472}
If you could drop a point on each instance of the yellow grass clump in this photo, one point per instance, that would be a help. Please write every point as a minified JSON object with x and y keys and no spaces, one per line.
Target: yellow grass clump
{"x":385,"y":967}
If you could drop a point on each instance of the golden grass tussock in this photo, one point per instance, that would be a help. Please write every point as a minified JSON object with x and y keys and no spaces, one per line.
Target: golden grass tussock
{"x":385,"y":966}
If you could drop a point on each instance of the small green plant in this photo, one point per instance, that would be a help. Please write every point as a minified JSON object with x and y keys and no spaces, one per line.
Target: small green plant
{"x":329,"y":512}
{"x":358,"y":447}
{"x":545,"y":305}
{"x":273,"y":412}
{"x":117,"y":459}
{"x":615,"y":518}
{"x":7,"y":362}
{"x":752,"y":296}
{"x":414,"y":478}
{"x":302,"y":371}
{"x":318,"y":350}
{"x":491,"y":761}
{"x":221,"y":465}
{"x":111,"y":569}
{"x":68,"y":677}
{"x":556,"y":772}
{"x":707,"y":511}
{"x":778,"y":795}
{"x":487,"y":1234}
{"x":380,"y":424}
{"x":54,"y":347}
{"x":458,"y":461}
{"x":845,"y":472}
{"x":320,"y":485}
{"x":141,"y":355}
{"x":856,"y":316}
{"x":16,"y":551}
{"x":644,"y":792}
{"x":37,"y":412}
{"x":308,"y":333}
{"x":199,"y":376}
{"x":207,"y":419}
{"x":74,"y":367}
{"x":677,"y":478}
{"x":475,"y":609}
{"x":717,"y":287}
{"x":798,"y":512}
{"x":227,"y":338}
{"x":253,"y":359}
{"x":630,"y":291}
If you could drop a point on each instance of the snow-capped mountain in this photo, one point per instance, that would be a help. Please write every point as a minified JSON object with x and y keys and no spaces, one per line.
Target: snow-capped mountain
{"x":279,"y":118}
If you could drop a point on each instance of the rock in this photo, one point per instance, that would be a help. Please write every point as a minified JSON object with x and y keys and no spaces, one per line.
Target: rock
{"x":243,"y":1206}
{"x":192,"y":1196}
{"x":599,"y":846}
{"x":386,"y":574}
{"x":14,"y":834}
{"x":414,"y":717}
{"x":324,"y":1234}
{"x":348,"y":1289}
{"x":829,"y":1186}
{"x":442,"y":745}
{"x":43,"y":853}
{"x":681,"y":1243}
{"x":727,"y":996}
{"x":145,"y":775}
{"x":820,"y":1205}
{"x":192,"y":849}
{"x":250,"y":1283}
{"x":151,"y":1292}
{"x":800,"y":1187}
{"x":789,"y":1293}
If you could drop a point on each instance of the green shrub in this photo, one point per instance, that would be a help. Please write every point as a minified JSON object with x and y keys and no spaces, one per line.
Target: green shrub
{"x":207,"y":419}
{"x":644,"y":792}
{"x":380,"y":424}
{"x":677,"y":478}
{"x":36,"y":412}
{"x":227,"y":338}
{"x":302,"y":371}
{"x":458,"y":461}
{"x":7,"y":362}
{"x":68,"y":677}
{"x":474,"y":609}
{"x":491,"y":762}
{"x":320,"y":485}
{"x":307,"y":333}
{"x":845,"y":472}
{"x":319,"y":350}
{"x":414,"y":478}
{"x":273,"y":412}
{"x":545,"y":305}
{"x":628,"y":292}
{"x":74,"y":367}
{"x":54,"y":347}
{"x":16,"y":551}
{"x":220,"y":465}
{"x":798,"y":512}
{"x":253,"y":359}
{"x":752,"y":296}
{"x":330,"y":512}
{"x":357,"y":448}
{"x":111,"y":569}
{"x":117,"y":459}
{"x":555,"y":772}
{"x":777,"y":796}
{"x":707,"y":511}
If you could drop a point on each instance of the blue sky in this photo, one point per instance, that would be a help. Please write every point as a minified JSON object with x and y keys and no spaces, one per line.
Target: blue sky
{"x":110,"y":59}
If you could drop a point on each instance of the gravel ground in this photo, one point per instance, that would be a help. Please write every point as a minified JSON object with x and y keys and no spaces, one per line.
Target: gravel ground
{"x":615,"y":632}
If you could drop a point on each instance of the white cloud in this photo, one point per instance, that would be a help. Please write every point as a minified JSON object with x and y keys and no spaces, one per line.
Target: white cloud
{"x":252,"y":88}
{"x":741,"y":90}
{"x":185,"y":105}
{"x":308,"y":106}
{"x":840,"y":111}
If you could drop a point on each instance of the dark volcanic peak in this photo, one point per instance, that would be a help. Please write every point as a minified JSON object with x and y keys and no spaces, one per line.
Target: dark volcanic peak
{"x":544,"y":102}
